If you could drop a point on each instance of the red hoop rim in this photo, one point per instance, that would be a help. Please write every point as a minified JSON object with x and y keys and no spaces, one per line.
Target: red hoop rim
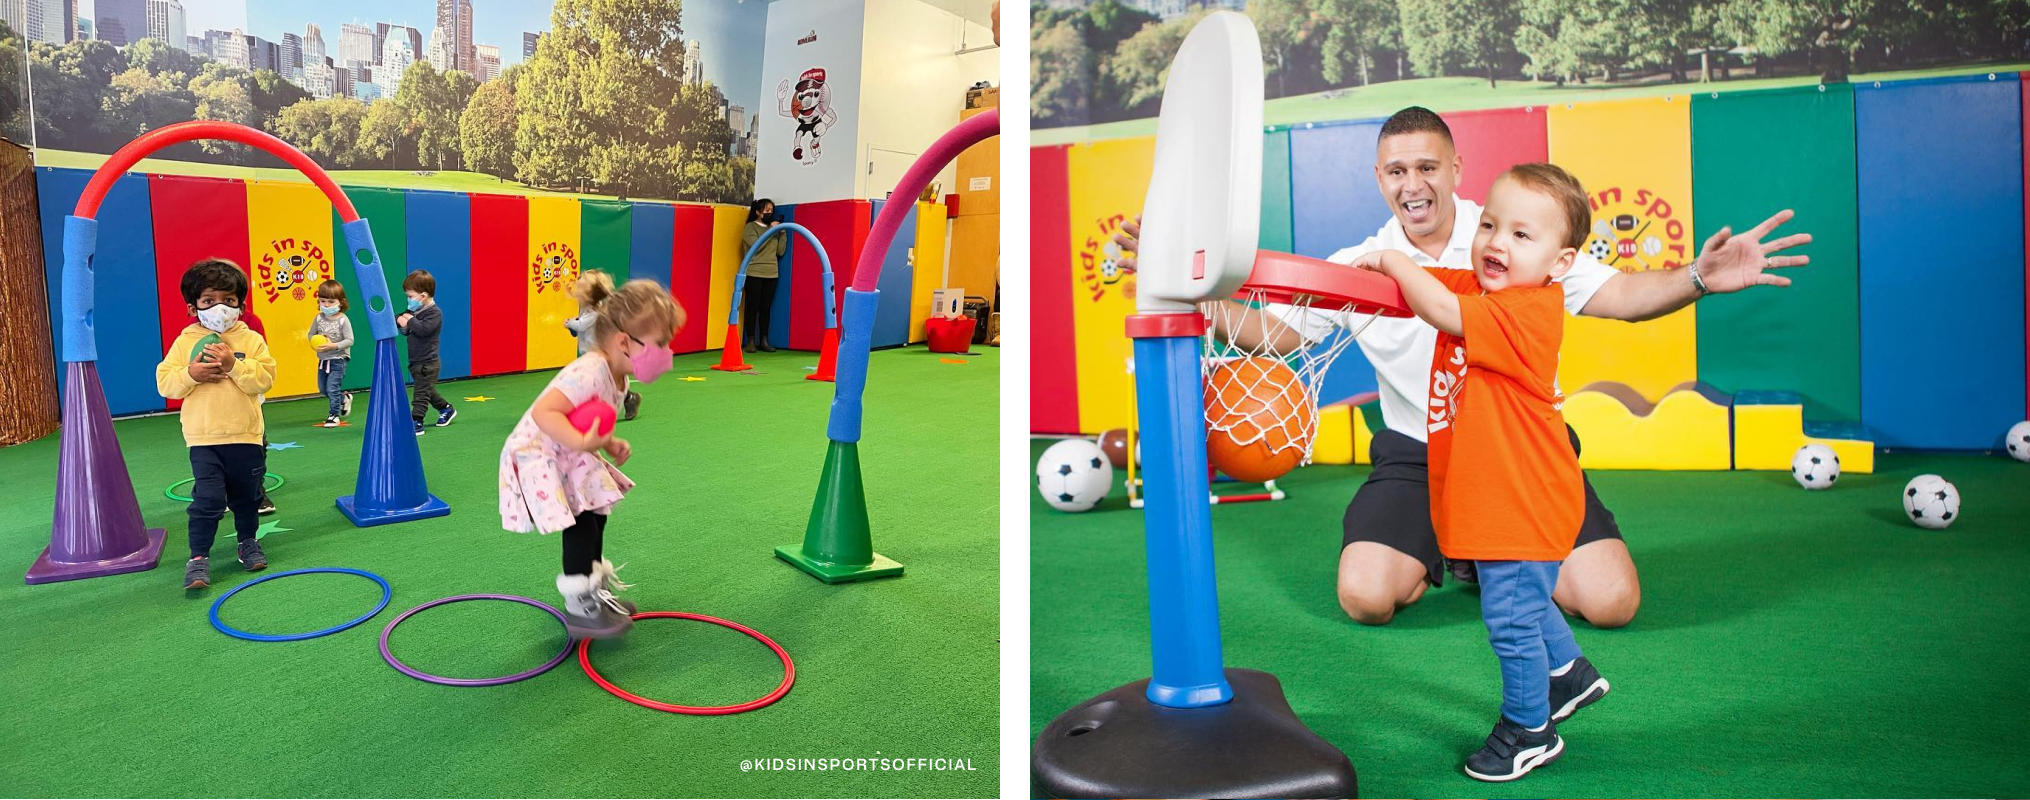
{"x":1284,"y":277}
{"x":131,"y":153}
{"x":788,"y":670}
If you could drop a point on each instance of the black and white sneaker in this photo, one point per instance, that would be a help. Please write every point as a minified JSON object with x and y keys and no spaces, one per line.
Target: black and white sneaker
{"x":345,"y":410}
{"x":1513,"y":750}
{"x":1579,"y":687}
{"x":446,"y":415}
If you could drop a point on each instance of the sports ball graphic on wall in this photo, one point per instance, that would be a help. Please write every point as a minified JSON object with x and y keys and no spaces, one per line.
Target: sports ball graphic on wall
{"x":810,"y":104}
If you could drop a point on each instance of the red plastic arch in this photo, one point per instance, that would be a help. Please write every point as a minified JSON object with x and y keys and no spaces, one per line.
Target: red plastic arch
{"x":134,"y":151}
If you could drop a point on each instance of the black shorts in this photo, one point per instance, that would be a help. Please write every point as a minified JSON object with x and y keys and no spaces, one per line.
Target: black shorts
{"x":1394,"y":506}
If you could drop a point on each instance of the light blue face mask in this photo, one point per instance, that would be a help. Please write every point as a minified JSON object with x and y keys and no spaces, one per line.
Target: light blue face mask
{"x":415,"y":304}
{"x":328,"y":310}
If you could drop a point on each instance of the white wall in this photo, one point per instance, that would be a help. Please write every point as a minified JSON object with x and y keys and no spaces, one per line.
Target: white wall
{"x":913,"y":87}
{"x":836,"y":24}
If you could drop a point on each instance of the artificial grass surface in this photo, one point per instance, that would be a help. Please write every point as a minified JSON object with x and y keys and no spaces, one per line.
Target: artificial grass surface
{"x":1790,"y":644}
{"x":118,"y":686}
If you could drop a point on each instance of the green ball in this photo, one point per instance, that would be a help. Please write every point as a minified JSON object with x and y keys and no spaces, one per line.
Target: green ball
{"x":197,"y":354}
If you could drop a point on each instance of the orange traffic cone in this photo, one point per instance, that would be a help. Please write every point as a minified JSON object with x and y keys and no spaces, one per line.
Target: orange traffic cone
{"x":729,"y":356}
{"x":828,"y":358}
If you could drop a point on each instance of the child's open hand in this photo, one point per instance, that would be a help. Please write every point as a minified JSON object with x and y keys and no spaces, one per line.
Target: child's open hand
{"x":618,"y":451}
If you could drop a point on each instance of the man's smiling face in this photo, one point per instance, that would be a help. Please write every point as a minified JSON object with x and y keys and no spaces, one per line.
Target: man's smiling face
{"x":1417,"y":173}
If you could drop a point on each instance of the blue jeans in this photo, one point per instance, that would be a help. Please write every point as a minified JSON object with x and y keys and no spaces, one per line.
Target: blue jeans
{"x":1528,"y":632}
{"x":331,"y":382}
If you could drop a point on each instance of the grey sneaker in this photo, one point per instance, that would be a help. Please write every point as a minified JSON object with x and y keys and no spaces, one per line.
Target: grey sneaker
{"x":251,"y":556}
{"x":197,"y":573}
{"x":632,"y":404}
{"x":590,"y":611}
{"x":608,"y":578}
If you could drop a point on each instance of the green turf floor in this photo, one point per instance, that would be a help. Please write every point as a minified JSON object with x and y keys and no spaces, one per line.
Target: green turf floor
{"x":118,"y":686}
{"x":1790,"y":644}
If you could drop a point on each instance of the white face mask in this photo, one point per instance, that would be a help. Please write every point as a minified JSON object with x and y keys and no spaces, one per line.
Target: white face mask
{"x":218,"y":317}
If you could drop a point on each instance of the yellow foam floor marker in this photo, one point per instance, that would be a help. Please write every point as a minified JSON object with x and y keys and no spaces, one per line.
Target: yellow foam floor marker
{"x":1769,"y":427}
{"x":1619,"y":429}
{"x":1334,"y":442}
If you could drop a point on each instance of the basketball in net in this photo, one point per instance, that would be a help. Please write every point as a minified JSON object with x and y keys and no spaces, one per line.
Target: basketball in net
{"x":1259,"y":418}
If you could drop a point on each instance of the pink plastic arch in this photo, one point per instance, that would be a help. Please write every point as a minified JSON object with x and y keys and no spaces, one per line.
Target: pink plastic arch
{"x":981,"y":127}
{"x":134,"y":151}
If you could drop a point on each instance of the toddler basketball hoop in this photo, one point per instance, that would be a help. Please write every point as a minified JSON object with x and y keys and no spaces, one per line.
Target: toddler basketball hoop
{"x":1195,"y":728}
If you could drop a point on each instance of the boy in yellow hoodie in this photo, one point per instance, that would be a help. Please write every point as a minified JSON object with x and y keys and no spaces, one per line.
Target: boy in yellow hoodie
{"x":220,"y":383}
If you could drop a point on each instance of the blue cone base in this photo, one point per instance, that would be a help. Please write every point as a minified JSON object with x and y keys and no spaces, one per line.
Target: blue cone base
{"x":369,"y":517}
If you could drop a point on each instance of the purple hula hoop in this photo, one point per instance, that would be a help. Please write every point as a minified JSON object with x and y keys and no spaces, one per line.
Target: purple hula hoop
{"x":425,"y":677}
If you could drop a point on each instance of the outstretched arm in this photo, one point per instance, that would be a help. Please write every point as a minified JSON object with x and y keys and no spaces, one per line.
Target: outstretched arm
{"x":1726,"y":263}
{"x":1431,"y":300}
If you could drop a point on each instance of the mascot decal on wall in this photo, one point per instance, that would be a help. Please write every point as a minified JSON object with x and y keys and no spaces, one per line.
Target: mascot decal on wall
{"x":811,"y":106}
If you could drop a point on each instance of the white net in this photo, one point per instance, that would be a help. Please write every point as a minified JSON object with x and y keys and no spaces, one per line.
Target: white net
{"x":1262,"y":376}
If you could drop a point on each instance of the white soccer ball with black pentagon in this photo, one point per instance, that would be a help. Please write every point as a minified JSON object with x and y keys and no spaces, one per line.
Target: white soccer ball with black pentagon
{"x":1073,"y":475}
{"x":1815,"y":466}
{"x":1931,"y":501}
{"x":2018,"y":441}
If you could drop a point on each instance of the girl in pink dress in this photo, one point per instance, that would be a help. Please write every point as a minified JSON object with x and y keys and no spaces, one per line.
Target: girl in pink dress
{"x":551,"y":478}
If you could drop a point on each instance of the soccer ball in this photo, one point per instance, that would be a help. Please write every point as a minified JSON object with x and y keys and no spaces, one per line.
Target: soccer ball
{"x":2018,"y":441}
{"x":1073,"y":475}
{"x":1600,"y":249}
{"x":1931,"y":502}
{"x":1815,"y":466}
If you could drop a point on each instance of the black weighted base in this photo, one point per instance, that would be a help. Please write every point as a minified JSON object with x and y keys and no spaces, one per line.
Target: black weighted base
{"x":1121,"y":745}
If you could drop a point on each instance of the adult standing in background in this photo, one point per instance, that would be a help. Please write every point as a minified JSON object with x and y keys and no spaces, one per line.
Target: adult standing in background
{"x":761,"y":274}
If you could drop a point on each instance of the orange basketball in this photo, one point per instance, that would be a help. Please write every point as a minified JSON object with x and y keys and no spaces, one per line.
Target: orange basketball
{"x":1258,"y":418}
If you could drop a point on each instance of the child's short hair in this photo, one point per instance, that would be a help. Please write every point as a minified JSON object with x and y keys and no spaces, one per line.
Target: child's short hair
{"x":420,"y":282}
{"x":633,"y":301}
{"x":1553,"y":180}
{"x":592,"y":287}
{"x":333,"y":290}
{"x":213,"y":273}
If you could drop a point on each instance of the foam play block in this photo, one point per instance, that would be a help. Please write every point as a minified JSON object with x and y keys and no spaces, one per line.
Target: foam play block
{"x":1619,"y":429}
{"x":1769,"y":427}
{"x":1334,"y":442}
{"x":1363,"y":436}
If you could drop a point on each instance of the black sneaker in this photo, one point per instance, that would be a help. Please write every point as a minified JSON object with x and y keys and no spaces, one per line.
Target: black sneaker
{"x":197,"y":573}
{"x":267,"y":506}
{"x":1465,"y":572}
{"x":331,"y":421}
{"x":632,"y":405}
{"x":251,"y":556}
{"x":446,"y":416}
{"x":1513,"y":750}
{"x":1579,"y":687}
{"x":419,"y":427}
{"x":345,"y":410}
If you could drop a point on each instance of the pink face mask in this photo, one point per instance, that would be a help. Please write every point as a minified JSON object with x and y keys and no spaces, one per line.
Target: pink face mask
{"x":650,"y":362}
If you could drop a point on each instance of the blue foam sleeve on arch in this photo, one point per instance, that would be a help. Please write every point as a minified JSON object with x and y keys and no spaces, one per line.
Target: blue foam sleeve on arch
{"x":854,"y":342}
{"x":373,"y":284}
{"x":80,"y":242}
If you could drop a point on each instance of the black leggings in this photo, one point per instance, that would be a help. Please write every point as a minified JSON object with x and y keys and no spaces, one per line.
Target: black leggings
{"x":582,"y":543}
{"x":758,"y":299}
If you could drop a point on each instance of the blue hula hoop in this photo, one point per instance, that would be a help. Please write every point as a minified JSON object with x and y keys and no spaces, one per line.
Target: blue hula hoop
{"x":387,"y":594}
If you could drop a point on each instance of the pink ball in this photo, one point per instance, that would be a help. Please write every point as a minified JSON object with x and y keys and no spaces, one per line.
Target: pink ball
{"x":590,"y":411}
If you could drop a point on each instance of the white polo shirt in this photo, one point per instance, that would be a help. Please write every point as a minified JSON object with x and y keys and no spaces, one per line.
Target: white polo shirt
{"x":1401,"y":349}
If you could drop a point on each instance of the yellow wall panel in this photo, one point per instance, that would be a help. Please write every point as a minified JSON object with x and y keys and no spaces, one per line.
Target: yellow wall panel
{"x":289,"y":240}
{"x":1109,"y":181}
{"x":552,"y":268}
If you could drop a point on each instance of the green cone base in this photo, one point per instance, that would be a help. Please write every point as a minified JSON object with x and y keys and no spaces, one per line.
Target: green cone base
{"x":838,"y":544}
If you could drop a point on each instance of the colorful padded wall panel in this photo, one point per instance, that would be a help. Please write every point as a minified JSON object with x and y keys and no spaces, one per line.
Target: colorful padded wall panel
{"x":891,"y":320}
{"x":483,"y":251}
{"x":1941,"y":325}
{"x":1276,"y":227}
{"x":1108,"y":183}
{"x":440,"y":242}
{"x":1491,"y":141}
{"x":1053,"y":333}
{"x":290,"y":238}
{"x":1335,"y":206}
{"x":927,"y":265}
{"x":387,"y":215}
{"x":129,"y":341}
{"x":1634,"y":158}
{"x":1755,"y":154}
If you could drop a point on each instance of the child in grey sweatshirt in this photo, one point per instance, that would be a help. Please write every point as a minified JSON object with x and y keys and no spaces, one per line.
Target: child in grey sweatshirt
{"x":336,"y":351}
